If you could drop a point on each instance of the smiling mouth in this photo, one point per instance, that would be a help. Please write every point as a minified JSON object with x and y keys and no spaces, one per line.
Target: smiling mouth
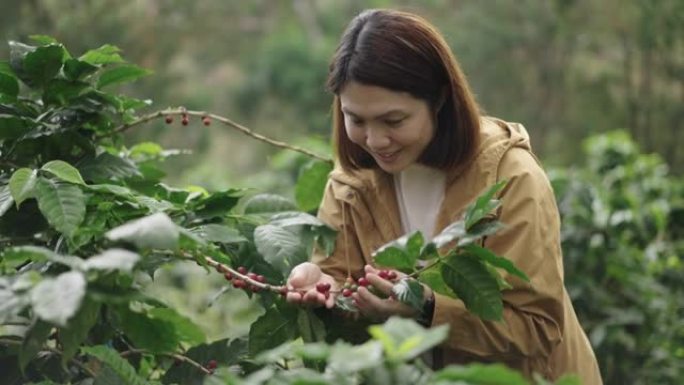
{"x":387,"y":156}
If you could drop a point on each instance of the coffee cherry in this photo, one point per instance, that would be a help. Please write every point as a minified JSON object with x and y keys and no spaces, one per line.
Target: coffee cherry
{"x":283,"y":291}
{"x":346,"y":292}
{"x":168,"y":119}
{"x":239,"y":284}
{"x":252,"y":276}
{"x":228,"y":275}
{"x":206,"y":121}
{"x":392,"y":275}
{"x":212,"y":364}
{"x":363,"y":281}
{"x":260,"y":278}
{"x":384,"y":274}
{"x":242,"y":270}
{"x":323,"y":287}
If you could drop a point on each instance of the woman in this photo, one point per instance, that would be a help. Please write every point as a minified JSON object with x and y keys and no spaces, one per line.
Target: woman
{"x":413,"y":150}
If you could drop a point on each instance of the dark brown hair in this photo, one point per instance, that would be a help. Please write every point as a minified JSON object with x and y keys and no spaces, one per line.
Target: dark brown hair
{"x":403,"y":52}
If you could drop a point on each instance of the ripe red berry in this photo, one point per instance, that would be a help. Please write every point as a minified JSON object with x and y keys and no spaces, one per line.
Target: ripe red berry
{"x":185,"y":121}
{"x":239,"y":284}
{"x":254,"y":289}
{"x":242,"y":270}
{"x":252,"y":276}
{"x":212,"y":364}
{"x":323,"y":287}
{"x":363,"y":281}
{"x":392,"y":275}
{"x":168,"y":119}
{"x":228,"y":275}
{"x":260,"y":278}
{"x":384,"y":274}
{"x":346,"y":293}
{"x":206,"y":120}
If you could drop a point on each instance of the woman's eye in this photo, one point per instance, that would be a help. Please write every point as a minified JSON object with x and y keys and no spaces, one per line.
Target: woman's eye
{"x":394,"y":122}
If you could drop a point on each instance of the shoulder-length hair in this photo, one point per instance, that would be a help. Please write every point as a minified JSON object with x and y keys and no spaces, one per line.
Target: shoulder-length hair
{"x":403,"y":52}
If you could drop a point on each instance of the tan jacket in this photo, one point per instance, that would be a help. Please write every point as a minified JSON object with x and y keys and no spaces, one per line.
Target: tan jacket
{"x":540,"y":332}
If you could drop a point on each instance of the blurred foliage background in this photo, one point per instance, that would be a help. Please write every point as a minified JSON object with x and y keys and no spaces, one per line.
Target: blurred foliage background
{"x":566,"y":69}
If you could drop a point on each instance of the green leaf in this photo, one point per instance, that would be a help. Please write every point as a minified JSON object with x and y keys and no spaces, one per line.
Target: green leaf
{"x":348,"y":359}
{"x":22,"y":184}
{"x":217,"y":204}
{"x":479,"y":374}
{"x":403,"y":339}
{"x":311,"y":328}
{"x":41,"y":254}
{"x":156,"y":231}
{"x":410,"y":292}
{"x":106,"y":167}
{"x":280,"y":247}
{"x":75,"y":69}
{"x":274,"y":328}
{"x":57,"y":299}
{"x":480,"y":230}
{"x":34,"y":340}
{"x":6,"y":199}
{"x":469,"y":278}
{"x":311,"y":184}
{"x":77,"y":330}
{"x":402,"y":253}
{"x":218,"y":233}
{"x":268,"y":204}
{"x":12,"y":127}
{"x":9,"y":87}
{"x":11,"y":304}
{"x":121,"y":74}
{"x":63,"y":205}
{"x":44,"y":63}
{"x":43,"y":39}
{"x":483,"y":205}
{"x":113,"y":360}
{"x":450,"y":233}
{"x":433,"y":278}
{"x":428,"y":252}
{"x":155,"y":334}
{"x":112,"y":259}
{"x":61,"y":91}
{"x":495,"y":260}
{"x":107,"y":54}
{"x":63,"y":171}
{"x":294,"y":218}
{"x":185,"y":329}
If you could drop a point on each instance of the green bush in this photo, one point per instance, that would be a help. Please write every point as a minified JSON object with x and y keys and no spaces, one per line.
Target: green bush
{"x":623,"y":222}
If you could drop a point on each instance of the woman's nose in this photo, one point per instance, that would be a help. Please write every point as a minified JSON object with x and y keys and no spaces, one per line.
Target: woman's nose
{"x":377,"y":139}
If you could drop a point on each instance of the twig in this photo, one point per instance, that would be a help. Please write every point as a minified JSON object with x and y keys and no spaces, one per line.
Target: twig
{"x":218,"y":118}
{"x":175,"y":356}
{"x":54,"y":351}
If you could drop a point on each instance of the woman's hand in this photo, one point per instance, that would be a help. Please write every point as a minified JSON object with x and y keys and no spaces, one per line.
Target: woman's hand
{"x":302,"y":283}
{"x":378,"y":308}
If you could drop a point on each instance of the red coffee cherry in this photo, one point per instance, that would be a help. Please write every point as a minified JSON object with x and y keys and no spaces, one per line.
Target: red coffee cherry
{"x":212,"y":364}
{"x":323,"y":287}
{"x":242,"y":270}
{"x":346,"y":292}
{"x":228,"y":275}
{"x":206,"y":121}
{"x":168,"y":119}
{"x":363,"y":281}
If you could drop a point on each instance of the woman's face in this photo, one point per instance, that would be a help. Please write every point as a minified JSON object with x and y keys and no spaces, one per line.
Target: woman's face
{"x":393,"y":127}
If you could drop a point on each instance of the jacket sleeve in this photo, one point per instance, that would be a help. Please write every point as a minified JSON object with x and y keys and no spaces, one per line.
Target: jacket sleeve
{"x":347,"y":255}
{"x":533,"y":312}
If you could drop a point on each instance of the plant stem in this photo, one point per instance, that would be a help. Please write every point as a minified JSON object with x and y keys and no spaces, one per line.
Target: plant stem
{"x":422,"y":269}
{"x":218,"y":118}
{"x":175,"y":356}
{"x":54,"y":351}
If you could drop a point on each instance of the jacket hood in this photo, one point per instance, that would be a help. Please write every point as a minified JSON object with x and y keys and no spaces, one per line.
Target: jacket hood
{"x":496,"y":137}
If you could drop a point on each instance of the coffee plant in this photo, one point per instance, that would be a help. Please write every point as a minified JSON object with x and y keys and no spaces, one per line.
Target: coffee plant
{"x":623,"y":242}
{"x":86,"y":220}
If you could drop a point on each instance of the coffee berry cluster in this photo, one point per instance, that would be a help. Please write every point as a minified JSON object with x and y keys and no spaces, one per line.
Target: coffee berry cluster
{"x":185,"y":119}
{"x":350,"y":286}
